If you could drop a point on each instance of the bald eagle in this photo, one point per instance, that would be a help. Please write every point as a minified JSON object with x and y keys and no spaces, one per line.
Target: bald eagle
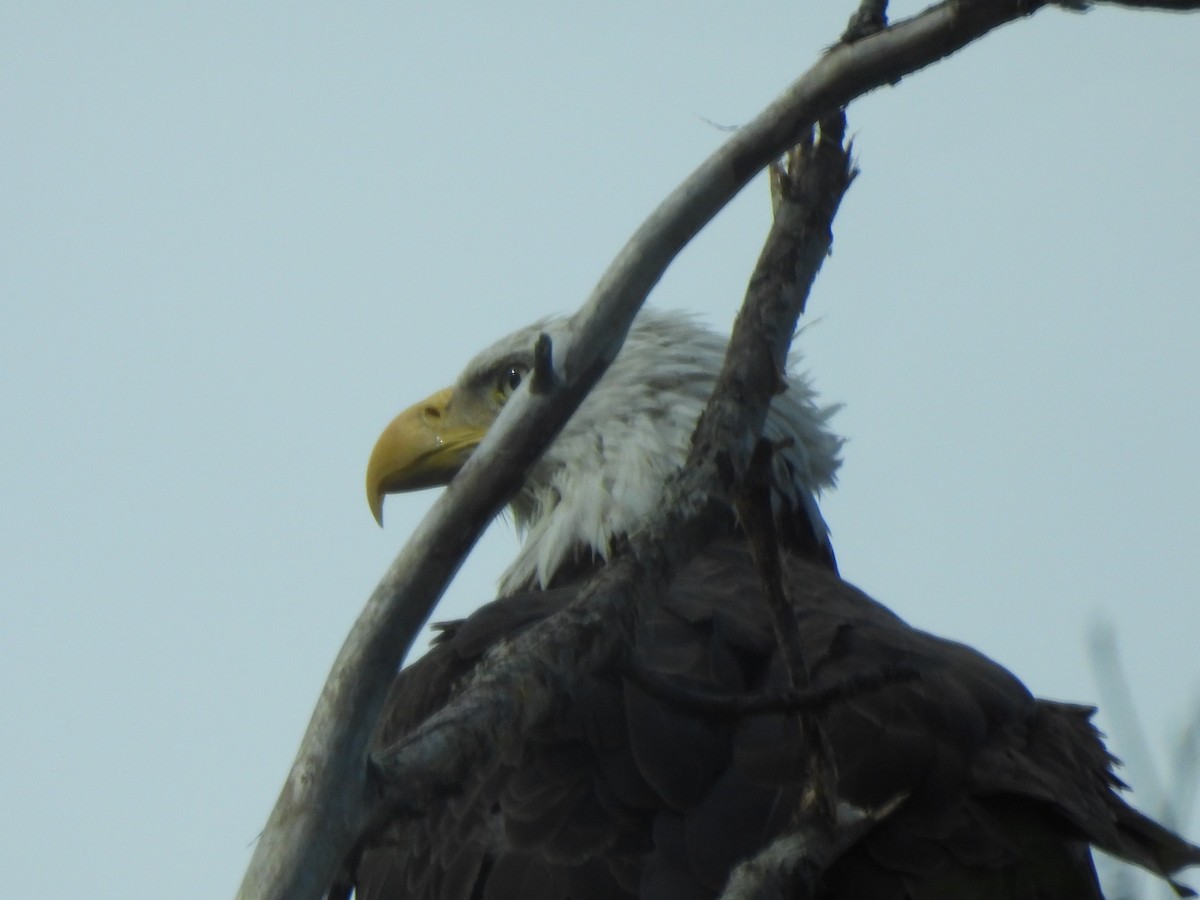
{"x":625,"y":794}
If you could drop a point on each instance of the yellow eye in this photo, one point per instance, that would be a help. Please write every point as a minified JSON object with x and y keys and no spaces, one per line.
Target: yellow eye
{"x":509,"y":381}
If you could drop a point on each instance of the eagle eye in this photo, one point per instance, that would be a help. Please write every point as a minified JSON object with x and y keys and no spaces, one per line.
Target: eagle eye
{"x":509,"y":380}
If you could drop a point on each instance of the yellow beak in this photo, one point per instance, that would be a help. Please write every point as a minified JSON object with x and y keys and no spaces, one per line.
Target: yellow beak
{"x":423,"y":447}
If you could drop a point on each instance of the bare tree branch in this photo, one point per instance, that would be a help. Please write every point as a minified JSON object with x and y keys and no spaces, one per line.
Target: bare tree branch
{"x":819,"y":801}
{"x":326,"y":801}
{"x":790,"y":867}
{"x":758,"y":520}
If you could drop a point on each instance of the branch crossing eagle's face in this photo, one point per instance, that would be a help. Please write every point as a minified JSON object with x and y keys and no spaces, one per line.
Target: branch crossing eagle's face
{"x":603,"y":474}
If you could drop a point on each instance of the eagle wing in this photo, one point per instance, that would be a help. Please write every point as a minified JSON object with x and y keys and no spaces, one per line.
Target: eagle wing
{"x":627,"y":795}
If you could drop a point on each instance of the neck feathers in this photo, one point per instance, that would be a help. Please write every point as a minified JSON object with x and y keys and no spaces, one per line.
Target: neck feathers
{"x":604,"y":473}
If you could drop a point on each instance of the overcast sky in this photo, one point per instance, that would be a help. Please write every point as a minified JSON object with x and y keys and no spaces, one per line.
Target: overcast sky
{"x":236,"y":239}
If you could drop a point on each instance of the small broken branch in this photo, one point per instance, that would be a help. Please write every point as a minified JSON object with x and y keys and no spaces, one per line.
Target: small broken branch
{"x":542,"y":379}
{"x":791,"y":867}
{"x":757,"y":518}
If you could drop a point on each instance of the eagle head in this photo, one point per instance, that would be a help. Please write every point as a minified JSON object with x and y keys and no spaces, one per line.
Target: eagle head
{"x":603,"y":474}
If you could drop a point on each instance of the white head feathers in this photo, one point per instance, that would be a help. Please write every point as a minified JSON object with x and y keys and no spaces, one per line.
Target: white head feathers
{"x":602,"y":476}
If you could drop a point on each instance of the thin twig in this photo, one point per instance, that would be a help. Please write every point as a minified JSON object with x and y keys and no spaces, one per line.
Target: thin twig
{"x":757,"y":519}
{"x":819,"y":800}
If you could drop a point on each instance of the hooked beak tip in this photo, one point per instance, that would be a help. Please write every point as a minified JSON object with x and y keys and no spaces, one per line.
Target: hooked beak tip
{"x":375,"y":500}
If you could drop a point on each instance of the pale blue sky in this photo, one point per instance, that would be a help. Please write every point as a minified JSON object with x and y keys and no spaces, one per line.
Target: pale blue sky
{"x":235,"y":239}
